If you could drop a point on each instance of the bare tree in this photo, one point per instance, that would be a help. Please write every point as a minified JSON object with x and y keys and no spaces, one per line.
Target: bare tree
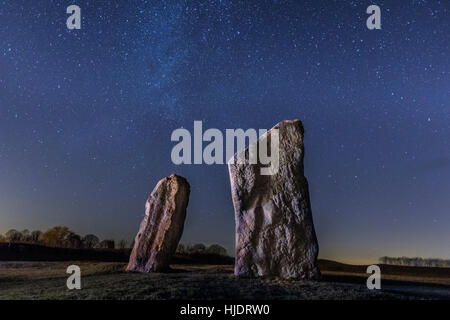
{"x":384,"y":260}
{"x":25,"y":235}
{"x":90,"y":241}
{"x":107,"y":244}
{"x":197,"y":248}
{"x":13,"y":235}
{"x":216,"y":249}
{"x":72,"y":240}
{"x":416,"y":262}
{"x":181,"y":249}
{"x":122,"y":244}
{"x":35,"y":235}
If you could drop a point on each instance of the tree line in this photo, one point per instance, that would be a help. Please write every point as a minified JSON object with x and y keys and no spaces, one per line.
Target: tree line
{"x":415,"y":262}
{"x":200,"y":248}
{"x":60,"y":236}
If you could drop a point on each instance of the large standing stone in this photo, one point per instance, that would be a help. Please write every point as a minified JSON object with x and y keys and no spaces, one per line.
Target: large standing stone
{"x":162,"y":227}
{"x":275,"y":234}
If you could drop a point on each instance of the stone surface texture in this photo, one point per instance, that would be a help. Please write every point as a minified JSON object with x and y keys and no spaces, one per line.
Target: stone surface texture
{"x":275,"y":234}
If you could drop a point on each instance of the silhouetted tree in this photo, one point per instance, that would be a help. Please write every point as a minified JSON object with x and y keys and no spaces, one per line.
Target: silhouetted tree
{"x":90,"y":241}
{"x":72,"y":240}
{"x":415,"y":262}
{"x":181,"y":249}
{"x":35,"y":235}
{"x":25,"y":235}
{"x":383,"y":260}
{"x":13,"y":235}
{"x":122,"y":244}
{"x":197,"y":248}
{"x":216,"y":249}
{"x":107,"y":244}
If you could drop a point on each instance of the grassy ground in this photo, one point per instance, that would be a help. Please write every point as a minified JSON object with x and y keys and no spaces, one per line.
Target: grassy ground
{"x":47,"y":280}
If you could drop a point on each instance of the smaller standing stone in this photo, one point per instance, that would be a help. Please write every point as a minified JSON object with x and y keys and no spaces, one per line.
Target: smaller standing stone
{"x":162,"y":227}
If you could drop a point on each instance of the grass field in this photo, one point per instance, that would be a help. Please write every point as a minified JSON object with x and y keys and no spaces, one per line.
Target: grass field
{"x":107,"y":280}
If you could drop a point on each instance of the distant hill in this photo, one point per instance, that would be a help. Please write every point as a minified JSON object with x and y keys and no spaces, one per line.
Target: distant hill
{"x":37,"y":252}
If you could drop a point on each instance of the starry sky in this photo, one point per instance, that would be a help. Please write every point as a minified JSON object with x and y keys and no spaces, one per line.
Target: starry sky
{"x":86,"y":115}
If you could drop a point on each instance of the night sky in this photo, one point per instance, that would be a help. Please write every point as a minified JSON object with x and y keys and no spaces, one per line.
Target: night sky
{"x":86,"y":115}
